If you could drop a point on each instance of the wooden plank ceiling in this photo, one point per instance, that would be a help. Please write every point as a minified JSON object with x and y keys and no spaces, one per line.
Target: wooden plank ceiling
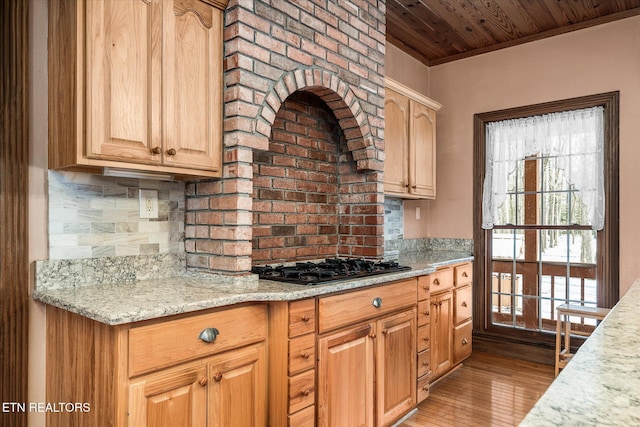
{"x":439,"y":31}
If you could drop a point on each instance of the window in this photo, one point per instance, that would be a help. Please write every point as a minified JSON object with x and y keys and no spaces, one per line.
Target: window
{"x":543,"y":243}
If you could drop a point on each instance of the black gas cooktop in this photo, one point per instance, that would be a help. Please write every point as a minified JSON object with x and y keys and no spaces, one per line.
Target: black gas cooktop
{"x":331,"y":269}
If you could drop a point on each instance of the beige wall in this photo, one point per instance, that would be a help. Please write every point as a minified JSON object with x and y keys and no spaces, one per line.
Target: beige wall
{"x":595,"y":60}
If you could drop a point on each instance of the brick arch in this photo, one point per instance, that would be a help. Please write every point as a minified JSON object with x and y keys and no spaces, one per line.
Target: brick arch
{"x":339,"y":97}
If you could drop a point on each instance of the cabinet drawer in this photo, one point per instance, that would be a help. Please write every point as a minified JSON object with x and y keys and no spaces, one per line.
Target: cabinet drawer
{"x":424,"y":363}
{"x":464,"y":274}
{"x":167,"y":343}
{"x":302,"y":317}
{"x":441,"y":280}
{"x":462,"y":302}
{"x":424,"y":292}
{"x":352,"y":307}
{"x":462,"y":342}
{"x":423,"y":388}
{"x":302,"y":353}
{"x":301,"y":391}
{"x":423,"y":338}
{"x":303,"y":418}
{"x":424,"y":312}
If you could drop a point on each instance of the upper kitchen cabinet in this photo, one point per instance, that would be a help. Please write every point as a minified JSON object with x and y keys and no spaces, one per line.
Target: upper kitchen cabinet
{"x":410,"y":143}
{"x":136,"y":84}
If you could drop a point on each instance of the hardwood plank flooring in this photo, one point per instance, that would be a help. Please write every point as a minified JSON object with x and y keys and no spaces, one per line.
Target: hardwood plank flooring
{"x":488,"y":390}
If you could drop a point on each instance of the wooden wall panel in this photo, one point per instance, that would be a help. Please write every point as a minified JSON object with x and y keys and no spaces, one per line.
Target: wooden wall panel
{"x":14,"y":273}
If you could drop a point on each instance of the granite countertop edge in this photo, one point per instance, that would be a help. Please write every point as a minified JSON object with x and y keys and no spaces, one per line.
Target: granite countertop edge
{"x":121,"y":303}
{"x":601,"y":384}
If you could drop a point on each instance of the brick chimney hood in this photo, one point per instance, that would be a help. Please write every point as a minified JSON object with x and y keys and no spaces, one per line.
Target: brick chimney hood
{"x":303,"y":136}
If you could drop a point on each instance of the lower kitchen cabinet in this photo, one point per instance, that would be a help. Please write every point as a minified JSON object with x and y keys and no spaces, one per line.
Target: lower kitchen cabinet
{"x":441,"y":333}
{"x":367,"y":367}
{"x":161,"y":372}
{"x":346,"y":375}
{"x":225,"y":390}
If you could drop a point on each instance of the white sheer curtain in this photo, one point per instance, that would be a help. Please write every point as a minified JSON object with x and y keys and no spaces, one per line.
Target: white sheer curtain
{"x":576,"y":137}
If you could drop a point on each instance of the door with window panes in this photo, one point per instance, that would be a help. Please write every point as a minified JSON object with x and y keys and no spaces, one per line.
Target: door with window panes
{"x":543,"y":251}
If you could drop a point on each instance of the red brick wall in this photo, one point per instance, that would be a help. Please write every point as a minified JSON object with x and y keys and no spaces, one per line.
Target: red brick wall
{"x":309,"y":200}
{"x":335,"y":50}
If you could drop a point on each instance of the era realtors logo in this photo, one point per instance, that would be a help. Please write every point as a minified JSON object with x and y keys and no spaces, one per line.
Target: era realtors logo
{"x":45,"y":407}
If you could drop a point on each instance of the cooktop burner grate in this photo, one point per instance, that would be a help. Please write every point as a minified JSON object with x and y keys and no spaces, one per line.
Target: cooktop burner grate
{"x":331,"y":269}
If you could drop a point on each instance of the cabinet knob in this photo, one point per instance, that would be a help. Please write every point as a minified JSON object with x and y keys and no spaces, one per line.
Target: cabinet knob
{"x":464,"y":303}
{"x":306,"y":318}
{"x":306,"y":392}
{"x":203,"y":381}
{"x":426,"y":313}
{"x":464,"y":274}
{"x":385,"y":331}
{"x":425,"y":388}
{"x":171,"y":152}
{"x":426,"y":288}
{"x":465,"y":341}
{"x":377,"y":302}
{"x":209,"y":335}
{"x":440,"y":304}
{"x":372,"y":335}
{"x":306,"y":355}
{"x":414,"y":186}
{"x":155,"y":150}
{"x":218,"y":376}
{"x":425,"y":363}
{"x":426,"y":339}
{"x":406,"y":186}
{"x":436,"y":282}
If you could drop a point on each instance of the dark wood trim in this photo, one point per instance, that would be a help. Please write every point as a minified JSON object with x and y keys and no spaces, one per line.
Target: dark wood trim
{"x":608,"y":278}
{"x":14,"y":272}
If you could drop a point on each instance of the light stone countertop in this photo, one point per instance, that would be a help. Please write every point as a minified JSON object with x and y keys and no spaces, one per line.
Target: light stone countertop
{"x":600,"y":386}
{"x":132,"y":301}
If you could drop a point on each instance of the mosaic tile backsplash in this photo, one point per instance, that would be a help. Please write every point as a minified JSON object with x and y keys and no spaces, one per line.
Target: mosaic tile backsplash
{"x":93,"y":216}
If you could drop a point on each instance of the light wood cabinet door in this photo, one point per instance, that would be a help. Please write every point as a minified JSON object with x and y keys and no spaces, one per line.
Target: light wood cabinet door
{"x":346,"y":377}
{"x":441,"y":333}
{"x":123,"y":77}
{"x":422,"y":151}
{"x":396,"y":366}
{"x":396,"y":146}
{"x":170,"y":398}
{"x":192,"y":84}
{"x":237,"y":388}
{"x":410,"y":143}
{"x":136,"y":85}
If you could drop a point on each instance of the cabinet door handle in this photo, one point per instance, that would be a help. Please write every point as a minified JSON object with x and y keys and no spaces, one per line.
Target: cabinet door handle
{"x":465,"y":341}
{"x":218,"y":376}
{"x":436,"y":282}
{"x":306,"y":355}
{"x":464,"y":303}
{"x":203,"y":381}
{"x":385,"y":331}
{"x":426,"y":339}
{"x":209,"y":335}
{"x":171,"y":152}
{"x":306,"y":318}
{"x":377,"y":302}
{"x":426,"y":313}
{"x":414,"y":186}
{"x":372,"y":335}
{"x":155,"y":150}
{"x":464,"y":274}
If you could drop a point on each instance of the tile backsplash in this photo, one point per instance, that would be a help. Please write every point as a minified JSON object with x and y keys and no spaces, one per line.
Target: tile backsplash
{"x":93,"y":216}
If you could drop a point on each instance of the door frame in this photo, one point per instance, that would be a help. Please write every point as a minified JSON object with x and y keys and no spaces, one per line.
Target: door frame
{"x":607,"y":295}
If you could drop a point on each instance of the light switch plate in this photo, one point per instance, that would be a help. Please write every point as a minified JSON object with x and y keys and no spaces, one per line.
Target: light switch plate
{"x":148,"y":203}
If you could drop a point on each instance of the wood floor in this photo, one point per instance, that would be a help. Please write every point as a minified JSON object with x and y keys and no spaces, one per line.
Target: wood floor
{"x":487,"y":390}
